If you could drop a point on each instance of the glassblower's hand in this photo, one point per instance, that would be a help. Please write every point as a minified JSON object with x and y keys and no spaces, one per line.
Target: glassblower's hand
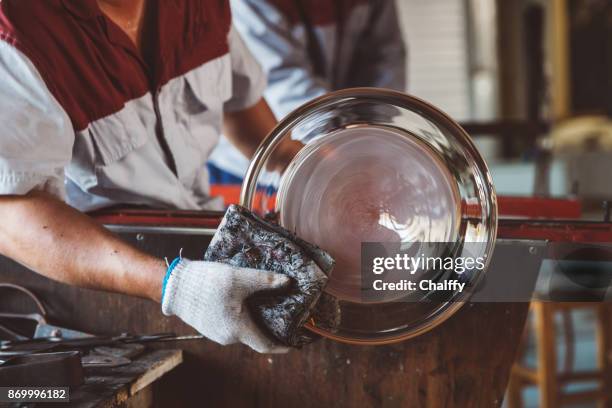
{"x":211,"y":297}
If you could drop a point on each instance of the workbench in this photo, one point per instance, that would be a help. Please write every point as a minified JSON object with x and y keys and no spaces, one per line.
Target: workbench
{"x":465,"y":362}
{"x":88,"y":381}
{"x":131,"y":385}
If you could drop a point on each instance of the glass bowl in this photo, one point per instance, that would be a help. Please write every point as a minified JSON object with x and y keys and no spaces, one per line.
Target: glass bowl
{"x":377,"y":167}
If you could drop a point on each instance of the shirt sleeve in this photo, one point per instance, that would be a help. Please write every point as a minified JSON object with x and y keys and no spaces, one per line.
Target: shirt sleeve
{"x":382,"y":55}
{"x":37,"y":135}
{"x":282,"y":50}
{"x":248,"y":79}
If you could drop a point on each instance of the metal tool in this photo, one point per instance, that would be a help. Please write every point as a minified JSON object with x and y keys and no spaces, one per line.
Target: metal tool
{"x":38,"y":317}
{"x":47,"y":335}
{"x":47,"y":344}
{"x":56,"y":356}
{"x":52,"y":348}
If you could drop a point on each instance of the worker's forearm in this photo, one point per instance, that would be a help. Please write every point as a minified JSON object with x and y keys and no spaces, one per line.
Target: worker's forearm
{"x":63,"y":244}
{"x":247,"y":129}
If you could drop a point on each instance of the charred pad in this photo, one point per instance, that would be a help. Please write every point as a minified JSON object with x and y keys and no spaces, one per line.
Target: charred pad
{"x":245,"y":240}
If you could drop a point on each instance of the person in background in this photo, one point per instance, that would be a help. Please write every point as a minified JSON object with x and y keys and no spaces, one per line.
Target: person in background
{"x":310,"y":47}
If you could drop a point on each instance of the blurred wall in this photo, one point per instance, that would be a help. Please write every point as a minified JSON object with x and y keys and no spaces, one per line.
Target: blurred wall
{"x":437,"y":38}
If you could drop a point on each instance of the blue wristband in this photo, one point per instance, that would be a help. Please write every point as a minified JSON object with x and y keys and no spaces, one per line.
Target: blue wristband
{"x":168,"y":274}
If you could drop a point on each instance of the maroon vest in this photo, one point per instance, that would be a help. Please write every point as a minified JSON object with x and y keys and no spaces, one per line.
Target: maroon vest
{"x":92,"y":67}
{"x":317,"y":12}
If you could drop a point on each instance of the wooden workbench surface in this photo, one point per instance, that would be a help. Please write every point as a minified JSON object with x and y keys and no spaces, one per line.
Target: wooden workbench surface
{"x":112,"y":387}
{"x":463,"y":363}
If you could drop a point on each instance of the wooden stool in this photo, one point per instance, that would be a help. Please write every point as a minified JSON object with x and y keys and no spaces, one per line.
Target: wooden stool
{"x":545,"y":375}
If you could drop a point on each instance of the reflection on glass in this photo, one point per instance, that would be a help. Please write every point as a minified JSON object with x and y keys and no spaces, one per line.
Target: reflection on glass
{"x":367,"y":184}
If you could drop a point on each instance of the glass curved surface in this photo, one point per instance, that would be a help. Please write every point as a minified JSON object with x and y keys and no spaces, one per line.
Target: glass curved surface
{"x":377,"y":166}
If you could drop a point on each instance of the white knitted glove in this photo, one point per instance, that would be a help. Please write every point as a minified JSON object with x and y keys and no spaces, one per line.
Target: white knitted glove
{"x":210,"y":297}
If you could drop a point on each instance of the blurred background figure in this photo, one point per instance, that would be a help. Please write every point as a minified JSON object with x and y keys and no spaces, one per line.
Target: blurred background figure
{"x":529,"y":80}
{"x":311,"y":47}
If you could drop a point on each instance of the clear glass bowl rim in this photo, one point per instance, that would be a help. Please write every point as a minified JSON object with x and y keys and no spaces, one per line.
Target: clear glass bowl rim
{"x":396,"y":98}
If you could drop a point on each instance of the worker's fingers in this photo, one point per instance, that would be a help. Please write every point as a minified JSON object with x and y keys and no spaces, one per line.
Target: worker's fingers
{"x":254,"y":337}
{"x":262,"y":280}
